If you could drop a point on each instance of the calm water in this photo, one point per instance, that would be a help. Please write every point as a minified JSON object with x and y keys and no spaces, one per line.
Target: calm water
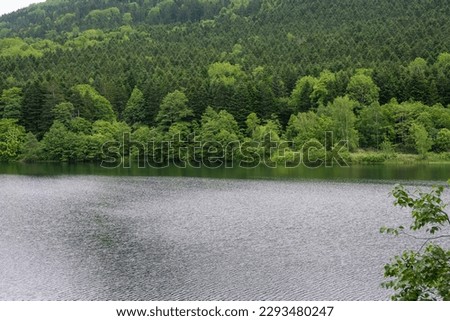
{"x":82,"y":236}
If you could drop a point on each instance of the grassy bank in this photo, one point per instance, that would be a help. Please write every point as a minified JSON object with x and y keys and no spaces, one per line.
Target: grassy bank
{"x":373,"y":157}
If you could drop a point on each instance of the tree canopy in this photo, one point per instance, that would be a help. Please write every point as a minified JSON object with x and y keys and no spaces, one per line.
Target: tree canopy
{"x":348,"y":67}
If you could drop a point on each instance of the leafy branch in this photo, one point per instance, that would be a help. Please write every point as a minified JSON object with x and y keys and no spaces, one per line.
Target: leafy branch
{"x":422,"y":274}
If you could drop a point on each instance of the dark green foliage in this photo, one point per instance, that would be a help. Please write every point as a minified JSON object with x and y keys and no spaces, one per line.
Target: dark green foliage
{"x":135,"y":112}
{"x":34,"y":112}
{"x":442,"y":69}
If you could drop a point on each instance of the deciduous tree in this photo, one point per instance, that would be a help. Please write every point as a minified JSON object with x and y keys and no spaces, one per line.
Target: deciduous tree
{"x":421,"y":274}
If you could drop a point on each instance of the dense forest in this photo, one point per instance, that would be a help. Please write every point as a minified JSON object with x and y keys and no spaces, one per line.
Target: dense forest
{"x":77,"y":74}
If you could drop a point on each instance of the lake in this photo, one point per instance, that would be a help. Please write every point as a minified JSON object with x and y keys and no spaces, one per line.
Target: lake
{"x":85,"y":233}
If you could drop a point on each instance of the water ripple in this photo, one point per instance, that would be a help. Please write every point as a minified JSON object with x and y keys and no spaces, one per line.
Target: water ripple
{"x":100,"y":238}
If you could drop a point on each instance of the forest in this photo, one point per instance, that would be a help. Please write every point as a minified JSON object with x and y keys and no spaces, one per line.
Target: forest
{"x":75,"y":75}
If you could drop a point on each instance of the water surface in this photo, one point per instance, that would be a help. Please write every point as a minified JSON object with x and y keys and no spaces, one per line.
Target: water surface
{"x":90,"y":237}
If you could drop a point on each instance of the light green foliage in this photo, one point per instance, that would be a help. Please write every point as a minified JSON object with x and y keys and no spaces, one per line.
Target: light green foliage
{"x":307,"y":126}
{"x":418,"y":68}
{"x":225,"y":74}
{"x":94,"y":34}
{"x":180,"y":130}
{"x":300,"y":99}
{"x":46,"y":46}
{"x":324,"y":88}
{"x":62,"y":145}
{"x":440,"y":116}
{"x":387,"y":148}
{"x":66,"y":20}
{"x":363,"y":89}
{"x":111,"y":130}
{"x":443,"y":62}
{"x":145,"y":135}
{"x":237,"y":4}
{"x":11,"y":81}
{"x":63,"y":112}
{"x":106,"y":17}
{"x":373,"y":126}
{"x":401,"y":117}
{"x":422,"y":140}
{"x":91,"y":105}
{"x":81,"y":141}
{"x":127,"y":18}
{"x":267,"y":135}
{"x":230,"y":91}
{"x":11,"y":103}
{"x":269,"y":5}
{"x":290,"y":37}
{"x":424,"y":118}
{"x":443,"y":140}
{"x":88,"y":38}
{"x":179,"y":134}
{"x":162,"y":9}
{"x":237,"y":51}
{"x":106,"y":132}
{"x":341,"y":112}
{"x":218,"y":131}
{"x":93,"y":147}
{"x":30,"y":148}
{"x":173,"y":109}
{"x":80,"y":125}
{"x":271,"y":127}
{"x":422,"y":274}
{"x":219,"y":126}
{"x":313,"y":150}
{"x":442,"y":68}
{"x":154,"y":14}
{"x":150,"y":139}
{"x":16,"y":47}
{"x":135,"y":111}
{"x":12,"y":137}
{"x":418,"y":85}
{"x":252,"y":123}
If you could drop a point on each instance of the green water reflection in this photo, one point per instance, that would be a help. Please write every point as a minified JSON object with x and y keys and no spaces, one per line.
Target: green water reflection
{"x":418,"y":172}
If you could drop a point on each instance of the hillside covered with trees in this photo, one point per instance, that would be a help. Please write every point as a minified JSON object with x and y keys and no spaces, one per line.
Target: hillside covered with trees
{"x":77,"y":74}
